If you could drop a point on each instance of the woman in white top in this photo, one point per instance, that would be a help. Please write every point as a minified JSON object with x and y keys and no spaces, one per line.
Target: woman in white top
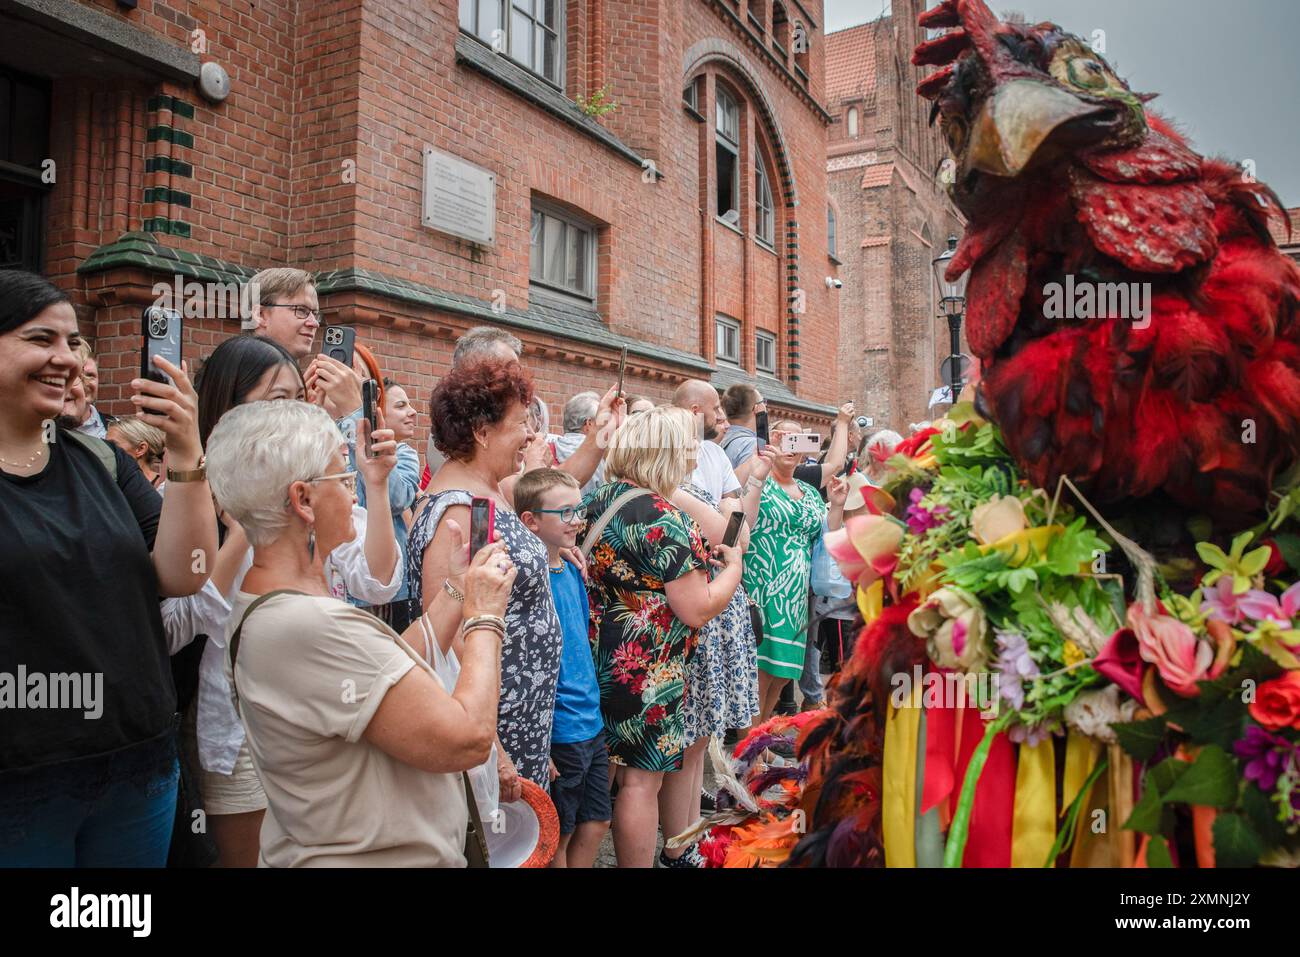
{"x":358,"y":745}
{"x":248,"y":369}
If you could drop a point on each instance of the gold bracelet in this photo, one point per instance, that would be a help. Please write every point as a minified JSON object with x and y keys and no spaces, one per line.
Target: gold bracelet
{"x":453,"y":591}
{"x":490,"y":622}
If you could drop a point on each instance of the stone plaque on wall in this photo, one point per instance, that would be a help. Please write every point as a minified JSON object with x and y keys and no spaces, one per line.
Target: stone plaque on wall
{"x":460,"y":199}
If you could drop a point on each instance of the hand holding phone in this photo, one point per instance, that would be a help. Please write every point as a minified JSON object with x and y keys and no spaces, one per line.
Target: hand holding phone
{"x":760,"y":429}
{"x":732,"y":534}
{"x":622,"y":367}
{"x":339,"y":342}
{"x":162,"y":331}
{"x":482,"y":524}
{"x":369,"y":411}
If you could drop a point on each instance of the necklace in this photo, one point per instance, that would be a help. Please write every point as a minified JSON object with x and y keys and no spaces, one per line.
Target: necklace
{"x":24,"y":465}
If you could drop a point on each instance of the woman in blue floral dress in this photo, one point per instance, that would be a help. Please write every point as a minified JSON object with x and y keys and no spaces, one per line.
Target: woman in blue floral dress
{"x":649,"y":593}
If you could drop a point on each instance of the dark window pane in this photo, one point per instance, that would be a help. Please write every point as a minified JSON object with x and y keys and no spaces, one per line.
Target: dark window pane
{"x":535,"y":247}
{"x":727,"y":180}
{"x":30,"y":129}
{"x":549,"y":12}
{"x":547,"y":58}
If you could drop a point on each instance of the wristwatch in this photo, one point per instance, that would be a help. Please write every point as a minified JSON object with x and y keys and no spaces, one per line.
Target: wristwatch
{"x":196,"y":474}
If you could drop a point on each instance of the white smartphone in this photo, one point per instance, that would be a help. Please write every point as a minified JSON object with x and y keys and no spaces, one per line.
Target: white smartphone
{"x":805,"y":443}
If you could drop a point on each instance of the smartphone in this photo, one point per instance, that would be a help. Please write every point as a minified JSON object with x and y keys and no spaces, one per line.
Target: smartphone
{"x":732,"y":534}
{"x":803,"y":442}
{"x":760,"y":428}
{"x":622,"y":366}
{"x":162,"y":329}
{"x":369,"y":411}
{"x":339,"y":341}
{"x":482,"y":518}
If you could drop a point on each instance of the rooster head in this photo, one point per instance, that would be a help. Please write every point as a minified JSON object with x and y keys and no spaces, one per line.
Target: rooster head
{"x":1011,"y":97}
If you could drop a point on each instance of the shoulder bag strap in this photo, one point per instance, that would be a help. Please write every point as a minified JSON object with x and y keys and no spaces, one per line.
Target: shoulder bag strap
{"x":239,"y":629}
{"x":594,"y":533}
{"x":100,"y":448}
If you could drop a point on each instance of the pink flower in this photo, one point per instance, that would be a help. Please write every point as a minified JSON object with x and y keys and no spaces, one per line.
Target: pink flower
{"x":1121,"y":662}
{"x":1261,"y":606}
{"x":866,"y":548}
{"x":1181,"y":658}
{"x":1221,"y":603}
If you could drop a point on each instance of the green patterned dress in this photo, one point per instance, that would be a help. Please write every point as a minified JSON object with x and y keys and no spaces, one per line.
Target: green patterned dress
{"x":778,"y":567}
{"x":641,"y":648}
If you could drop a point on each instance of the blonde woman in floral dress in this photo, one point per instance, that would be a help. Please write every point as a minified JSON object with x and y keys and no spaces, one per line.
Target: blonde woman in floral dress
{"x":778,"y":567}
{"x":650,"y":594}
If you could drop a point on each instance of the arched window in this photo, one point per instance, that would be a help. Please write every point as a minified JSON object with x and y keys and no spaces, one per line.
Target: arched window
{"x":853,"y":121}
{"x":831,"y":238}
{"x":764,"y":228}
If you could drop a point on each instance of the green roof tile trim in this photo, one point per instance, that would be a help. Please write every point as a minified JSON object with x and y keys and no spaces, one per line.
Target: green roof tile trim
{"x":171,"y":135}
{"x":478,"y":56}
{"x":572,"y":323}
{"x":165,"y":164}
{"x":774,"y":390}
{"x":137,"y":250}
{"x":140,"y":250}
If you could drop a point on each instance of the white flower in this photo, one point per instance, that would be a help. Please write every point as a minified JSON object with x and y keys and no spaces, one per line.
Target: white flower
{"x":953,"y":624}
{"x":1093,"y":712}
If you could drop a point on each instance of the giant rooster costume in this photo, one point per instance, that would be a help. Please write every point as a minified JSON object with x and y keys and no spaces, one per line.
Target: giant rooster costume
{"x":1117,"y":695}
{"x":1063,"y":171}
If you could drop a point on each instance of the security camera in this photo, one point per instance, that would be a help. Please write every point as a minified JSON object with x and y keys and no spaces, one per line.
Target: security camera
{"x":833,"y":283}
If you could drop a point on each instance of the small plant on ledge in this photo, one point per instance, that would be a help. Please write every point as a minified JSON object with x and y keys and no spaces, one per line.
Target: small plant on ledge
{"x":598,"y":103}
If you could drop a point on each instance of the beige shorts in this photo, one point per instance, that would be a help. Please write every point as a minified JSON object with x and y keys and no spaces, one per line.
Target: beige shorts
{"x":238,"y":792}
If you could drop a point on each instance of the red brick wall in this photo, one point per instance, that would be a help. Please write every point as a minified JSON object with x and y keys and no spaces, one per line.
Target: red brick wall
{"x":318,"y":86}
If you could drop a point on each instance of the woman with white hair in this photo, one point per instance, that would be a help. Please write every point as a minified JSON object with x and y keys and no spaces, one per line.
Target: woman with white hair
{"x":357,"y":744}
{"x":877,"y":449}
{"x":650,"y":594}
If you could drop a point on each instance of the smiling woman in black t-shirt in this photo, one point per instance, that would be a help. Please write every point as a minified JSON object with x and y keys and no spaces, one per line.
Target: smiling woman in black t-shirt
{"x":87,"y":731}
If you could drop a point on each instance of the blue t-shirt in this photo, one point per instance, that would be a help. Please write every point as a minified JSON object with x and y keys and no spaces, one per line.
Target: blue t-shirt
{"x":577,"y":696}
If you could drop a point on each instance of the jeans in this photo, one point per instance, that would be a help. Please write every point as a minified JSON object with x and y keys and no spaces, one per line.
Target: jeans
{"x":810,"y":682}
{"x":125,"y":823}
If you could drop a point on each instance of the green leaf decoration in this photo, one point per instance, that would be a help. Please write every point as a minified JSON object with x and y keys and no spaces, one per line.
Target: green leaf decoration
{"x":1219,"y":720}
{"x":1140,"y":739}
{"x":1236,"y":844}
{"x":1262,"y":814}
{"x":1211,"y":780}
{"x":1147,"y":813}
{"x":1165,"y":774}
{"x":1158,"y":853}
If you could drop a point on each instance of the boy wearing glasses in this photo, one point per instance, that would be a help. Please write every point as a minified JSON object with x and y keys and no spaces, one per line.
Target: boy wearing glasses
{"x":549,"y":503}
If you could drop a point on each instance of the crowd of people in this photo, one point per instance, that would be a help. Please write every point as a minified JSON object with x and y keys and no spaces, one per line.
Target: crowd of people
{"x":299,"y":661}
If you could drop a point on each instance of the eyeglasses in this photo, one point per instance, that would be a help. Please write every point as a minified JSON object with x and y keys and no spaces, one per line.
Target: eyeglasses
{"x":299,"y":312}
{"x":349,"y":480}
{"x":567,"y":515}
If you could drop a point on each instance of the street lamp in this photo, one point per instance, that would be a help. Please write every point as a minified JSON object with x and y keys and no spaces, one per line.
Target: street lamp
{"x":953,"y":306}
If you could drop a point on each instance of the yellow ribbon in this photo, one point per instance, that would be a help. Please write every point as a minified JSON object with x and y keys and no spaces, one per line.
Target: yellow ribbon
{"x":1033,"y":822}
{"x":1081,"y":754}
{"x":898,"y":787}
{"x":871,"y":600}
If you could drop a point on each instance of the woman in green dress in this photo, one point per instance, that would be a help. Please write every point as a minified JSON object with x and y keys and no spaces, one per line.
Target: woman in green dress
{"x":778,"y":567}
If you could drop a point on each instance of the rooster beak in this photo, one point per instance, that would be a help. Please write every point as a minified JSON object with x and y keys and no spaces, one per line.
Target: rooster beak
{"x":1014,"y":122}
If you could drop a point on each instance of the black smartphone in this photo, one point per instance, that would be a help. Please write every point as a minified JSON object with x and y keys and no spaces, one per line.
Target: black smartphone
{"x":732,"y":534}
{"x":369,"y":411}
{"x":339,"y":341}
{"x":622,"y":366}
{"x":760,"y":429}
{"x":482,"y":518}
{"x":162,"y":330}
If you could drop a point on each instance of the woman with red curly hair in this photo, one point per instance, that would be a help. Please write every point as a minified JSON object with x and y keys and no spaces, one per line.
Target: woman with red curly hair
{"x":480,"y":422}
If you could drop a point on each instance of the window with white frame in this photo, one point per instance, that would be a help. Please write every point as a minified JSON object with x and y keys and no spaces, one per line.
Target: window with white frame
{"x":562,"y":255}
{"x":530,"y":32}
{"x":831,"y":237}
{"x":727,"y":340}
{"x":765,"y":351}
{"x":763,"y":215}
{"x":728,"y":156}
{"x":853,"y":121}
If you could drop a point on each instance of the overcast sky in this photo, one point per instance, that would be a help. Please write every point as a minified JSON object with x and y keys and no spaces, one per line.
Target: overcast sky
{"x":1227,"y":72}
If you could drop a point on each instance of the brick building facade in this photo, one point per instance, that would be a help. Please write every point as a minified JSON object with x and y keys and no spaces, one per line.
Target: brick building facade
{"x":892,"y":218}
{"x":690,"y":218}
